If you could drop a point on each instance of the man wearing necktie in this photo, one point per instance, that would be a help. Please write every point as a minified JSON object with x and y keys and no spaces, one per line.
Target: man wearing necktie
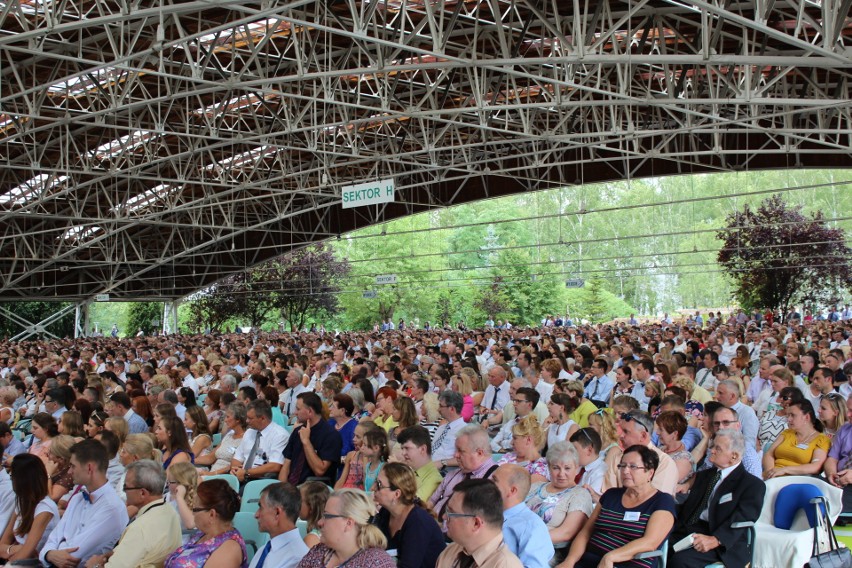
{"x":277,"y":513}
{"x":721,"y":496}
{"x":154,"y":532}
{"x":474,"y":523}
{"x":95,"y":517}
{"x":495,"y":398}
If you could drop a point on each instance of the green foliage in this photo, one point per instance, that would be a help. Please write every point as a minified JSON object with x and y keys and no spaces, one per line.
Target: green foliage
{"x":34,"y":312}
{"x":594,"y":303}
{"x":142,"y":315}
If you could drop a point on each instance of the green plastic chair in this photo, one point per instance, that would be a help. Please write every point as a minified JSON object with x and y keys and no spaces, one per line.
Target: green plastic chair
{"x":246,"y":524}
{"x":251,"y":494}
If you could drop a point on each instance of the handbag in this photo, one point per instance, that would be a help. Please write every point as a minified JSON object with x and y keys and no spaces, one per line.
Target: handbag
{"x":835,"y":556}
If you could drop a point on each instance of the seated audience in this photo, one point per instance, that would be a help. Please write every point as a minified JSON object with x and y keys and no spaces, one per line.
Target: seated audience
{"x":406,"y":521}
{"x":416,"y":452}
{"x":260,"y":454}
{"x":721,"y":496}
{"x":234,"y":421}
{"x":35,"y":514}
{"x":352,"y":474}
{"x":154,"y":531}
{"x":473,"y":453}
{"x":729,"y":393}
{"x":590,"y":460}
{"x":524,"y":532}
{"x":313,"y":450}
{"x":348,"y":535}
{"x":562,"y":504}
{"x":277,"y":513}
{"x":216,"y":542}
{"x":96,"y":515}
{"x":528,"y":438}
{"x":671,"y":426}
{"x":611,"y":536}
{"x":59,"y":456}
{"x":198,"y":432}
{"x":171,"y":436}
{"x":801,"y":449}
{"x":636,"y":427}
{"x":524,"y":399}
{"x":314,"y":495}
{"x":474,"y":523}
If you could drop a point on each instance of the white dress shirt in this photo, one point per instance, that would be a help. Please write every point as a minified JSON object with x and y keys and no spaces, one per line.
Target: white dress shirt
{"x":273,"y":440}
{"x":286,"y":551}
{"x":502,"y":396}
{"x":93,"y":527}
{"x":7,"y":497}
{"x":447,"y":447}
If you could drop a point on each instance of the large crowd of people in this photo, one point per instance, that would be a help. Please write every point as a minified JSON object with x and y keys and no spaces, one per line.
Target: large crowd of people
{"x":560,"y":445}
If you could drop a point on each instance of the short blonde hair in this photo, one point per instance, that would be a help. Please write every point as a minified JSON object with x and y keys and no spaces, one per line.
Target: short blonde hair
{"x":529,"y":426}
{"x":465,"y":380}
{"x":60,"y":446}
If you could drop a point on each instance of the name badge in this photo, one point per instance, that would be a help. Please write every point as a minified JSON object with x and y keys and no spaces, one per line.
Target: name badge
{"x":802,"y":446}
{"x":631,"y":516}
{"x":725,"y":498}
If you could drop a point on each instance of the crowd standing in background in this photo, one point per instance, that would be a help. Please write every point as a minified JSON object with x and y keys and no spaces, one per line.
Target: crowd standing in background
{"x":569,"y":445}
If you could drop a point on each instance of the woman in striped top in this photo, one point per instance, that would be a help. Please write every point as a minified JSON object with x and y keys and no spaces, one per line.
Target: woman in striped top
{"x":628,"y":520}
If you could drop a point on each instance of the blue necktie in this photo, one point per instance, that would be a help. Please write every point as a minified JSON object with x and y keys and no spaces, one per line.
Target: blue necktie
{"x":86,"y":497}
{"x":263,"y":554}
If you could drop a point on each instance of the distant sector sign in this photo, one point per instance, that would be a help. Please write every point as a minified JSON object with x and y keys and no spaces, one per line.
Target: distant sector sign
{"x":386,"y":279}
{"x":369,"y":193}
{"x":574,"y":283}
{"x":102,"y":298}
{"x":370,"y":294}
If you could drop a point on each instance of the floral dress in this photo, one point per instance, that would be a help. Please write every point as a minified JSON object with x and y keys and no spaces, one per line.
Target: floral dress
{"x":538,"y":466}
{"x":194,"y":554}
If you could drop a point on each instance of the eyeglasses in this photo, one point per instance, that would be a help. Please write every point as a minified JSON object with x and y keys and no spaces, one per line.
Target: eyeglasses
{"x":519,"y":401}
{"x":200,"y":509}
{"x":630,"y":466}
{"x":458,"y":515}
{"x":723,"y":423}
{"x":329,"y":516}
{"x":379,"y":486}
{"x":126,"y":488}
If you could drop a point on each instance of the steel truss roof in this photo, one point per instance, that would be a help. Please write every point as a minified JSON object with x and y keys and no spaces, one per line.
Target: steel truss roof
{"x":150,"y":148}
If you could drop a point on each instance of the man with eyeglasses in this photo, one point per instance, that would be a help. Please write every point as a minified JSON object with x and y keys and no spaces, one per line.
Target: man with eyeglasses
{"x":154,"y":532}
{"x":54,"y":403}
{"x":721,"y":496}
{"x":474,"y":523}
{"x":450,"y":404}
{"x":523,"y":402}
{"x":635,"y":427}
{"x":728,"y":393}
{"x":726,"y":418}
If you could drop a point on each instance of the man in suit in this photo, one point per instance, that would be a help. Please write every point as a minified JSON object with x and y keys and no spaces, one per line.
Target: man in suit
{"x":722,"y":495}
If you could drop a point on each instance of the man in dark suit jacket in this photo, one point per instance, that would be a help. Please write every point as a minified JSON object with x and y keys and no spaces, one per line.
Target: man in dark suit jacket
{"x":720,"y":496}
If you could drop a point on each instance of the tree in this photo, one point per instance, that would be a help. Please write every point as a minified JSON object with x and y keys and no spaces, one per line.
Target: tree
{"x":34,"y":312}
{"x":142,"y":315}
{"x":308,"y":281}
{"x":777,"y":257}
{"x":213,"y":307}
{"x":493,"y":300}
{"x":596,"y":307}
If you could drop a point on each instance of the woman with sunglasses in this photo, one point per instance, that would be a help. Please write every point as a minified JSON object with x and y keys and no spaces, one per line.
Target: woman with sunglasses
{"x":802,"y":448}
{"x":611,"y":536}
{"x":407,"y":522}
{"x":348,"y":535}
{"x":217,"y":542}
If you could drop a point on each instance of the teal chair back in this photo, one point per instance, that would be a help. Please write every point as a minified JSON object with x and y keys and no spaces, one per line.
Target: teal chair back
{"x":251,"y":494}
{"x":246,"y":524}
{"x":231,"y":479}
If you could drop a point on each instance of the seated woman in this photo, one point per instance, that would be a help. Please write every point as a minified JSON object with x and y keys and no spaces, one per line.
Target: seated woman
{"x":59,"y":469}
{"x":171,"y":435}
{"x":35,"y":513}
{"x":802,"y":448}
{"x":348,"y":535}
{"x":216,"y":543}
{"x":562,"y":504}
{"x":671,"y":426}
{"x":528,"y":438}
{"x":769,"y":406}
{"x":235,"y":423}
{"x":611,"y":535}
{"x":407,"y":522}
{"x":832,"y":413}
{"x":340,"y":412}
{"x":314,"y":495}
{"x":585,"y":407}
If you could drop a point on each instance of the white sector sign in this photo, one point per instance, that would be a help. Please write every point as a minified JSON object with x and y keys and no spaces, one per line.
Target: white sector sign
{"x":370,"y":193}
{"x":386,"y":279}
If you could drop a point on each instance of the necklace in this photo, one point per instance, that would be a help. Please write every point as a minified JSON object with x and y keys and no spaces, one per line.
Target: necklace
{"x":339,"y":426}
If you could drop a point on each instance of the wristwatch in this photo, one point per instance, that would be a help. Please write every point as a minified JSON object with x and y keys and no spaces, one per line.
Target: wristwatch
{"x":444,"y":464}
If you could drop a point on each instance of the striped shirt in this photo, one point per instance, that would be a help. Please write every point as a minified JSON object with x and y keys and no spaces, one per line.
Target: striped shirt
{"x":616,"y":526}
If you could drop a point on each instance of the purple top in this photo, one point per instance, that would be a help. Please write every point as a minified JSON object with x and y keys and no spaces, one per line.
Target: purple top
{"x":194,"y":554}
{"x":841,"y":447}
{"x":318,"y":557}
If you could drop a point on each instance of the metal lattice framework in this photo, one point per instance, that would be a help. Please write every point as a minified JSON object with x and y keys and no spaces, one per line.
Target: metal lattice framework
{"x":151,"y":147}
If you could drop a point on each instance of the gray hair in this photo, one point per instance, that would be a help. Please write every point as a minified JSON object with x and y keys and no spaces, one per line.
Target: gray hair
{"x":563,"y":452}
{"x":477,"y":435}
{"x":148,"y":475}
{"x":736,"y":437}
{"x":240,"y":412}
{"x":229,"y":380}
{"x":642,"y":418}
{"x":286,"y":496}
{"x":357,"y":396}
{"x":452,"y":399}
{"x":733,"y":385}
